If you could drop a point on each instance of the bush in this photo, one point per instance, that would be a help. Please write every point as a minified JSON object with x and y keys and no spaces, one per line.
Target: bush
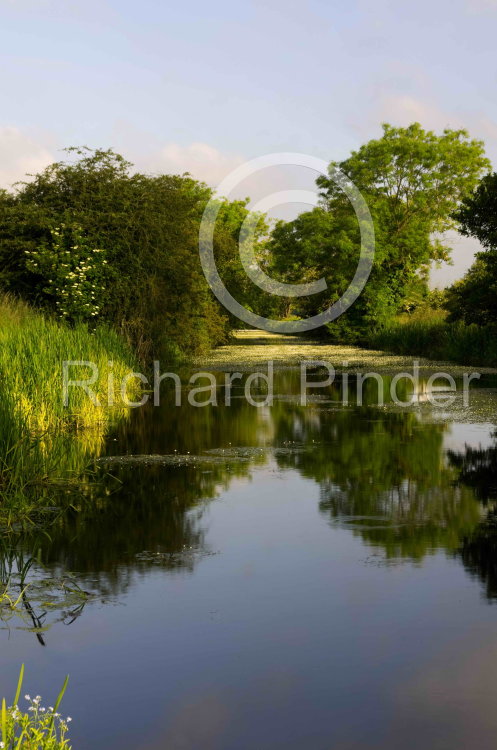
{"x":91,"y":240}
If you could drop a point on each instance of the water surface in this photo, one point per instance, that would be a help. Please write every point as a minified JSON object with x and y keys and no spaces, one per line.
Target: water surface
{"x":319,"y":577}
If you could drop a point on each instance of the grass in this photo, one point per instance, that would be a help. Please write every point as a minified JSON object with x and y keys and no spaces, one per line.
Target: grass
{"x":32,"y":350}
{"x":435,"y":338}
{"x":42,"y":441}
{"x":36,"y":729}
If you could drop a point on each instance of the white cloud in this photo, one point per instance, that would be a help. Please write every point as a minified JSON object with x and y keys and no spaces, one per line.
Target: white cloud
{"x":204,"y":162}
{"x":403,"y":110}
{"x":20,"y":155}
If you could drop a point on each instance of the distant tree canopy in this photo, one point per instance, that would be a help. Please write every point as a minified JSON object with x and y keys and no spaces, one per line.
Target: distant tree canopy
{"x":413,"y":181}
{"x":90,"y":239}
{"x":124,"y":245}
{"x":474,"y":298}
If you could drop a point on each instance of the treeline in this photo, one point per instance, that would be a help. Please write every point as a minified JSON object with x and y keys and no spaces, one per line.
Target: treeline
{"x":417,"y":185}
{"x":413,"y":182}
{"x":91,"y":241}
{"x":460,"y":323}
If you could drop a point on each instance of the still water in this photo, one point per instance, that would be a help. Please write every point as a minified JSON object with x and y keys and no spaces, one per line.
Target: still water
{"x":319,"y":577}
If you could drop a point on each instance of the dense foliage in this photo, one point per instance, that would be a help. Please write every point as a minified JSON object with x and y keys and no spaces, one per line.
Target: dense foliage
{"x":412,"y":181}
{"x":92,"y":239}
{"x":474,"y":298}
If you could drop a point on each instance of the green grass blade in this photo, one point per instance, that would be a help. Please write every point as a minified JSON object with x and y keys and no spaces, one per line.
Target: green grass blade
{"x":58,"y":702}
{"x":19,"y":686}
{"x":61,"y":694}
{"x":4,"y":721}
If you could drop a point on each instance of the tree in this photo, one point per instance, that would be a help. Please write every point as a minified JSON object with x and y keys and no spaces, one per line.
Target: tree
{"x":149,"y":282}
{"x":412,"y":180}
{"x":232,"y":218}
{"x":474,"y":298}
{"x":477,"y":214}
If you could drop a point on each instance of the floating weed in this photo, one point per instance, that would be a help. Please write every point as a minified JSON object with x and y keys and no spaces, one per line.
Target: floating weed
{"x":31,"y":599}
{"x":249,"y":350}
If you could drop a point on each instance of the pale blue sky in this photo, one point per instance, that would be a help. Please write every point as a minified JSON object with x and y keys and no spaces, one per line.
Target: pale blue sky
{"x":204,"y":86}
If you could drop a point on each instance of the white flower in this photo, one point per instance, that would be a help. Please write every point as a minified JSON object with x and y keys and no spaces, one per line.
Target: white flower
{"x":68,"y":719}
{"x":27,"y":697}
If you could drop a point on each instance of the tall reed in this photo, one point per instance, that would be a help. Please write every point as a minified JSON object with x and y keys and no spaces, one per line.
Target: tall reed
{"x":438,"y":339}
{"x":40,"y":437}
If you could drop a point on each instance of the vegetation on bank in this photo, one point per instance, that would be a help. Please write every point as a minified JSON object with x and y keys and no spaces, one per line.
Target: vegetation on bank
{"x":412,"y":181}
{"x":91,"y":240}
{"x":33,"y":348}
{"x":417,"y":185}
{"x":41,"y":439}
{"x":460,"y":324}
{"x":38,"y":728}
{"x":437,"y":338}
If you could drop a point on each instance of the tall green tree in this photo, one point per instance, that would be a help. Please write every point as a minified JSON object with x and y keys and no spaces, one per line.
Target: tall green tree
{"x":412,"y":180}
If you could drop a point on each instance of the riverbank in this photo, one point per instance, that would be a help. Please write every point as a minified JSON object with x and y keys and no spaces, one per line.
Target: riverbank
{"x":42,"y":440}
{"x":436,"y":338}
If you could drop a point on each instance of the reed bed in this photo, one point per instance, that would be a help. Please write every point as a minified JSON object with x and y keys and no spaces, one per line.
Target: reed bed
{"x":439,"y":339}
{"x":41,"y":439}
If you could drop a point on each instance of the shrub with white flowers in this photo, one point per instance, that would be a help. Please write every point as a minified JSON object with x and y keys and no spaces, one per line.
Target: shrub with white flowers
{"x":72,"y":272}
{"x":38,"y":728}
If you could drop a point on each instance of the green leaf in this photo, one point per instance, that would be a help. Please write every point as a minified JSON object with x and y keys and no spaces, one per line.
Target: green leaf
{"x":19,"y":686}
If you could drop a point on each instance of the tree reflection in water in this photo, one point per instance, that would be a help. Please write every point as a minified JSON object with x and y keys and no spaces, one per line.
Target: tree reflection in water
{"x":383,"y":473}
{"x":477,"y":469}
